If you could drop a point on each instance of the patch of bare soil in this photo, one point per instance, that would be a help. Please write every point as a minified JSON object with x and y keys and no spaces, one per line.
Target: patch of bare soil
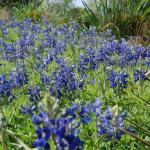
{"x":4,"y":14}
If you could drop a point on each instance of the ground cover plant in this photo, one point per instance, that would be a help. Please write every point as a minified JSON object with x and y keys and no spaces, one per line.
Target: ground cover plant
{"x":66,"y":88}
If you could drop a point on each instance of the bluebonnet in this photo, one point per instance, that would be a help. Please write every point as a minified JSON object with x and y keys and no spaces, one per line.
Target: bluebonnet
{"x":109,"y":122}
{"x":13,"y":80}
{"x":9,"y":51}
{"x":90,"y":59}
{"x":101,"y":47}
{"x":5,"y":31}
{"x":43,"y":117}
{"x":87,"y":61}
{"x":141,"y":52}
{"x":5,"y":85}
{"x":34,"y":96}
{"x":66,"y":127}
{"x":27,"y":109}
{"x":118,"y":79}
{"x":43,"y":134}
{"x":148,"y":63}
{"x":19,"y":76}
{"x":57,"y":127}
{"x":95,"y":107}
{"x":118,"y":134}
{"x":82,"y":64}
{"x":34,"y":93}
{"x":93,"y":63}
{"x":63,"y":79}
{"x":84,"y":114}
{"x":103,"y":55}
{"x":47,"y":44}
{"x":47,"y":60}
{"x":131,"y":129}
{"x":119,"y":120}
{"x":91,"y":36}
{"x":45,"y":79}
{"x":139,"y":74}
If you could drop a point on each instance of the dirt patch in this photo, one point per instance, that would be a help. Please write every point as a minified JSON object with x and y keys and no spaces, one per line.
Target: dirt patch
{"x":4,"y":14}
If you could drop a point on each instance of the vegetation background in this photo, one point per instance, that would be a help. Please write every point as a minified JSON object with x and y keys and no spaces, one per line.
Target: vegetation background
{"x":128,"y":20}
{"x":125,"y":17}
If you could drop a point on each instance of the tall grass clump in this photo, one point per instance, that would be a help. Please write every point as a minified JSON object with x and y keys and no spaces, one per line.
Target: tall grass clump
{"x":125,"y":17}
{"x":28,"y":9}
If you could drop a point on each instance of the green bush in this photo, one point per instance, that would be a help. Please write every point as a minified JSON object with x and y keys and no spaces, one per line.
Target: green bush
{"x":12,"y":3}
{"x":28,"y":9}
{"x":125,"y":17}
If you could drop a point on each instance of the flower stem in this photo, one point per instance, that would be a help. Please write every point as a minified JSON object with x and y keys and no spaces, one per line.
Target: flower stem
{"x":134,"y":136}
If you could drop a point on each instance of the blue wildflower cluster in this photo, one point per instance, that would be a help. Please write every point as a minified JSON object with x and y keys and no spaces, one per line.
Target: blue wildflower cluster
{"x":109,"y":122}
{"x":13,"y":80}
{"x":28,"y":109}
{"x":20,"y":76}
{"x":87,"y":61}
{"x":118,"y":80}
{"x":139,"y":75}
{"x":67,"y":63}
{"x":63,"y":79}
{"x":5,"y":85}
{"x":34,"y":94}
{"x":65,"y":130}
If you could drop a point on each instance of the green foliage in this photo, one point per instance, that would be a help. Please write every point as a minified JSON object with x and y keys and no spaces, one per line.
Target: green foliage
{"x":30,"y":9}
{"x":77,"y":14}
{"x":59,"y":7}
{"x":124,"y":16}
{"x":133,"y":99}
{"x":12,"y":3}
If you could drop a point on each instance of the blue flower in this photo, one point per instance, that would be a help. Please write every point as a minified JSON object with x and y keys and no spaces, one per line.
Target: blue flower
{"x":66,"y":127}
{"x":44,"y":132}
{"x":118,"y":135}
{"x":118,"y":80}
{"x":39,"y":132}
{"x":101,"y":130}
{"x":108,"y":124}
{"x":34,"y":93}
{"x":42,"y":144}
{"x":63,"y":80}
{"x":108,"y":114}
{"x":96,"y":107}
{"x":36,"y":120}
{"x":84,"y":114}
{"x":139,"y":75}
{"x":39,"y":142}
{"x":47,"y":132}
{"x":73,"y":142}
{"x":25,"y":110}
{"x":119,"y":119}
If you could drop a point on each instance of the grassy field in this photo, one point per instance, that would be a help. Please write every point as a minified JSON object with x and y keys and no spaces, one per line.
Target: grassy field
{"x":69,"y":88}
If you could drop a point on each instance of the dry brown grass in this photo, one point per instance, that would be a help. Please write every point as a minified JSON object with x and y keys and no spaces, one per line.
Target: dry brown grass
{"x":4,"y":14}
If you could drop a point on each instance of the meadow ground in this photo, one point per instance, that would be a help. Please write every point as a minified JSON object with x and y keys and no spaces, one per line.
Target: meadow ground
{"x":69,"y":88}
